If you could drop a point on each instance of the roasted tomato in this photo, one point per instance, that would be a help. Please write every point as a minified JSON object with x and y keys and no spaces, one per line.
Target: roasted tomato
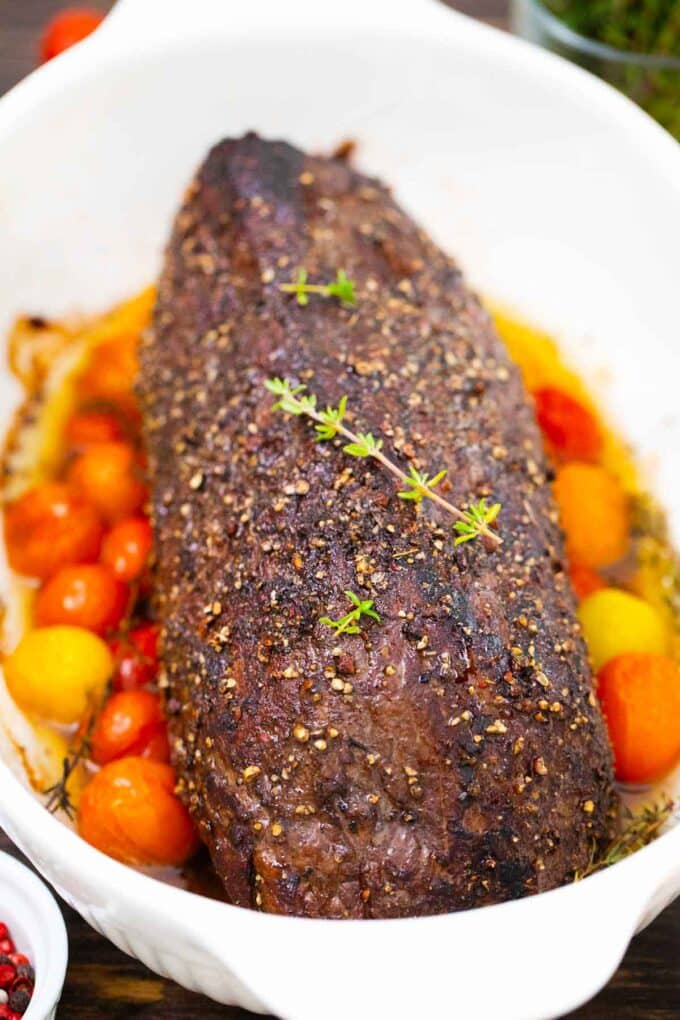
{"x":130,"y":723}
{"x":129,"y":811}
{"x":58,"y":672}
{"x":66,"y":29}
{"x":126,"y":547}
{"x":85,"y":428}
{"x":584,"y":580}
{"x":86,"y":595}
{"x":108,"y":475}
{"x":136,"y":657}
{"x":640,"y":694}
{"x":571,"y":430}
{"x":594,"y":512}
{"x":50,"y":526}
{"x":110,"y":375}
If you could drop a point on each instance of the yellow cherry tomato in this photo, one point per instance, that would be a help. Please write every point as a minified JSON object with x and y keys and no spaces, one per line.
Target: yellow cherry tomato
{"x":57,"y":672}
{"x":615,"y":622}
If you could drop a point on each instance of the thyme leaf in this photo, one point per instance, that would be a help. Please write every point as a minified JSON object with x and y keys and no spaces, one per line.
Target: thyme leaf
{"x":349,"y":624}
{"x":330,"y":421}
{"x":420,"y":482}
{"x":365,"y":446}
{"x":475,"y":521}
{"x":341,"y":288}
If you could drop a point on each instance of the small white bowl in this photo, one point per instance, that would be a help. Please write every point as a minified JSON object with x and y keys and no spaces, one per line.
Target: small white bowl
{"x":37,"y":927}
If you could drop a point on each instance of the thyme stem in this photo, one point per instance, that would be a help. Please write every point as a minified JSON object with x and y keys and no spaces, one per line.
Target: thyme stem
{"x":309,"y":288}
{"x":332,"y":424}
{"x":58,"y":796}
{"x":640,"y":830}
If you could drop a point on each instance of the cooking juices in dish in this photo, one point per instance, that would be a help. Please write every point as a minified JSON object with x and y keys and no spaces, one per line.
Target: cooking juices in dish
{"x":623,"y":567}
{"x":87,"y":661}
{"x":86,"y":668}
{"x":60,"y":675}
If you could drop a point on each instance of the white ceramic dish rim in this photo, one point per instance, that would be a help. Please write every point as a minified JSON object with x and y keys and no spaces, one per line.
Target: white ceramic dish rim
{"x":108,"y":892}
{"x":132,"y":28}
{"x":24,"y":895}
{"x":648,"y":877}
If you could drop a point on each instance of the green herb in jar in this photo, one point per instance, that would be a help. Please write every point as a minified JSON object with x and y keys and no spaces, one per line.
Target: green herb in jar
{"x":649,"y":29}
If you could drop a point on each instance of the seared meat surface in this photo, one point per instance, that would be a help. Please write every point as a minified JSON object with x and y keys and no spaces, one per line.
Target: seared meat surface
{"x":452,"y":755}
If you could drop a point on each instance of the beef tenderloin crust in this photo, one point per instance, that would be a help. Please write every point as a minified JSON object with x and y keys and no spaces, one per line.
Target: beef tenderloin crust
{"x":452,"y":755}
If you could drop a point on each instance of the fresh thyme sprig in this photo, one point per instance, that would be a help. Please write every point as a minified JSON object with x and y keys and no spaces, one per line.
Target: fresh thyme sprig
{"x":341,"y":288}
{"x":58,"y":795}
{"x":641,"y":829}
{"x":470,"y":523}
{"x":349,"y":624}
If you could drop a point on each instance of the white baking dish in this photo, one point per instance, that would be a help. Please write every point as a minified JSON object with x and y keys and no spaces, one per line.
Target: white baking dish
{"x":558,"y":196}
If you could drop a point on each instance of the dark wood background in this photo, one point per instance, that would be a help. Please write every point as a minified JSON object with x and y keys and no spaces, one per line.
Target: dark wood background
{"x":104,"y":984}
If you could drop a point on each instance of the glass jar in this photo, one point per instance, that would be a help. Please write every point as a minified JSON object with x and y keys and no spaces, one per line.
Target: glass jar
{"x":652,"y":80}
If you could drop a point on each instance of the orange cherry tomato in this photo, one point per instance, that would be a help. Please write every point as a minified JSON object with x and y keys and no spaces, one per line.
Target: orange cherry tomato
{"x":87,"y":427}
{"x":110,"y":374}
{"x":571,"y":430}
{"x":584,"y":580}
{"x":86,"y":595}
{"x":595,"y":514}
{"x":107,"y":475}
{"x":131,"y":722}
{"x":136,"y":657}
{"x":640,"y":695}
{"x":66,"y":29}
{"x":50,"y":526}
{"x":126,"y":547}
{"x":129,"y":811}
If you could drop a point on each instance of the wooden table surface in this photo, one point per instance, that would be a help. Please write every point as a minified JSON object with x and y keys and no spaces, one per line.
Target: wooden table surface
{"x":104,"y":984}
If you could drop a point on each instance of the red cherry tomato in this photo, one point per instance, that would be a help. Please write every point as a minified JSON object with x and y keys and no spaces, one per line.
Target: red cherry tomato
{"x":49,"y":527}
{"x":131,"y":722}
{"x":584,"y":580}
{"x":87,"y":427}
{"x":66,"y":29}
{"x":570,"y":429}
{"x":126,"y":547}
{"x":136,"y":657}
{"x":86,"y":595}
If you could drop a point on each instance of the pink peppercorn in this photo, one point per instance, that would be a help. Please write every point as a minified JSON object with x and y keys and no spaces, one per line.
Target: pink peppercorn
{"x":16,"y":978}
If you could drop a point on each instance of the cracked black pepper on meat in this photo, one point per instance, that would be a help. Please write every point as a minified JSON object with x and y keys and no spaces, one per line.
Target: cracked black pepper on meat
{"x":451,"y":755}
